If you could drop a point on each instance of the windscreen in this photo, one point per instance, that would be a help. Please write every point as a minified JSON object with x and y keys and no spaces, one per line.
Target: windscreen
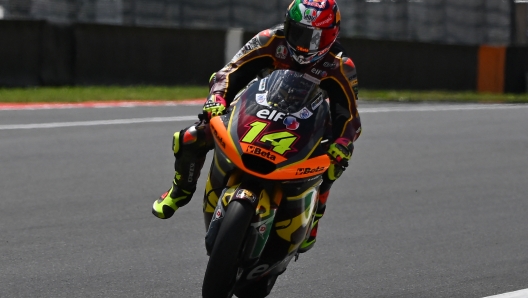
{"x":289,"y":92}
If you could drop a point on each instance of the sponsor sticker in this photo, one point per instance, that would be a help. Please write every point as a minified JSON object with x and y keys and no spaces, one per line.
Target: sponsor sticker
{"x":218,"y":137}
{"x":270,"y":115}
{"x":330,"y":65}
{"x":304,"y":113}
{"x":316,"y":103}
{"x":310,"y":14}
{"x":261,"y":152}
{"x":262,"y":85}
{"x":262,"y":229}
{"x":218,"y":214}
{"x":281,"y":52}
{"x":319,"y":72}
{"x":261,"y":98}
{"x":244,"y":193}
{"x":291,"y":123}
{"x":306,"y":171}
{"x":329,"y":19}
{"x":191,"y":172}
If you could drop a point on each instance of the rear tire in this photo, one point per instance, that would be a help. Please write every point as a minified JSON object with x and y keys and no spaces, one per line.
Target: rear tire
{"x":222,"y":267}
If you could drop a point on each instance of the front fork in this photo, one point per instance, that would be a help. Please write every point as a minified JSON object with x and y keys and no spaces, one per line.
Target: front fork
{"x":293,"y":229}
{"x":262,"y":223}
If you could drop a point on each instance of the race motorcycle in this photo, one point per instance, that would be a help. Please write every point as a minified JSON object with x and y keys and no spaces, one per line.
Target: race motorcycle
{"x":269,"y":158}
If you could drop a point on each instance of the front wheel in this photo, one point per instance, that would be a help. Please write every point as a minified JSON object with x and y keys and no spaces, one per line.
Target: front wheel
{"x":259,"y":289}
{"x":220,"y":275}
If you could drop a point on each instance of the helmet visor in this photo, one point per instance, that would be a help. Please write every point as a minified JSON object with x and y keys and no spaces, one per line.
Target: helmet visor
{"x":305,"y":39}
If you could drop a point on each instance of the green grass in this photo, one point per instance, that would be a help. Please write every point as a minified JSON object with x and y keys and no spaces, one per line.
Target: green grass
{"x":82,"y":94}
{"x":444,"y":96}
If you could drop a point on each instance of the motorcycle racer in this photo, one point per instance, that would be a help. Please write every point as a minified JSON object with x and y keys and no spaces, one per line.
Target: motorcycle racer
{"x":306,"y":42}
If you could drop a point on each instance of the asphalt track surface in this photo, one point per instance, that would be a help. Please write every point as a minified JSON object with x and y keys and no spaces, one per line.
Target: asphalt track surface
{"x":434,"y":204}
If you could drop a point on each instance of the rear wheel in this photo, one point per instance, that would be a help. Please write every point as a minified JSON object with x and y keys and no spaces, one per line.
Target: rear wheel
{"x":221,"y":271}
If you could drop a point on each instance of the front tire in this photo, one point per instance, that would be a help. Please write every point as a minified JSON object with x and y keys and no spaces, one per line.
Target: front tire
{"x":259,"y":289}
{"x":220,"y":275}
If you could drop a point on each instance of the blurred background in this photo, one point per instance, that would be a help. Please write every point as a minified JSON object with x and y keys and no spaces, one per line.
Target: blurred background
{"x":396,"y":44}
{"x":446,"y":21}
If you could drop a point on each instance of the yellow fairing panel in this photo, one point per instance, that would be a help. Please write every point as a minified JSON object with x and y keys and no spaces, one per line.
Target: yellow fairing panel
{"x":286,"y":228}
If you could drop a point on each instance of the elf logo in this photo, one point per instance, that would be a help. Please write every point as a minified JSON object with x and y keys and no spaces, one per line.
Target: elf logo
{"x":270,"y":115}
{"x":319,"y":72}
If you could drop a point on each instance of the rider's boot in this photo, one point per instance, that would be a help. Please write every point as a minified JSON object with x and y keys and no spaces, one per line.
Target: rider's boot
{"x":189,"y":153}
{"x":321,"y":207}
{"x":176,"y":197}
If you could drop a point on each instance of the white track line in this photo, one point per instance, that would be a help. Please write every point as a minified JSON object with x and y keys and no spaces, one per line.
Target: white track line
{"x":438,"y":108}
{"x":95,"y":123}
{"x":98,"y":105}
{"x":516,"y":294}
{"x":411,"y":108}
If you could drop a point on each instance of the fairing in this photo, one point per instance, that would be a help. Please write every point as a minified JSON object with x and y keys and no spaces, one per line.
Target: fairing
{"x":275,"y":128}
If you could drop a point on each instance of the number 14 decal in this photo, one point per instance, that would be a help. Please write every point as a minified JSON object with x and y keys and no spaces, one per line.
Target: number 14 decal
{"x":281,"y":141}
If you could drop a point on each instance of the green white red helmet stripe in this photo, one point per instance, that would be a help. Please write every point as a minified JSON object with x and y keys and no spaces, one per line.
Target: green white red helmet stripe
{"x":315,"y":13}
{"x":311,"y":27}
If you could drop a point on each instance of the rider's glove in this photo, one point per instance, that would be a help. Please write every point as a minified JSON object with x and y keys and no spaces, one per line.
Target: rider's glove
{"x":340,"y":151}
{"x":215,"y":105}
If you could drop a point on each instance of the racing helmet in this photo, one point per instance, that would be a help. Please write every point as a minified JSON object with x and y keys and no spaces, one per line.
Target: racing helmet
{"x":311,"y":28}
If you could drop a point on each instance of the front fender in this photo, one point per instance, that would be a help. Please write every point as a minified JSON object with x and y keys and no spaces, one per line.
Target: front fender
{"x":261,"y":223}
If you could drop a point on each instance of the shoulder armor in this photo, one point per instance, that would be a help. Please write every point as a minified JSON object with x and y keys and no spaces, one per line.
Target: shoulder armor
{"x":349,"y":70}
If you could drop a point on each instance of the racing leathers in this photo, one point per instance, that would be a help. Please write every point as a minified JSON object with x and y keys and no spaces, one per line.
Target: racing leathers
{"x":267,"y":51}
